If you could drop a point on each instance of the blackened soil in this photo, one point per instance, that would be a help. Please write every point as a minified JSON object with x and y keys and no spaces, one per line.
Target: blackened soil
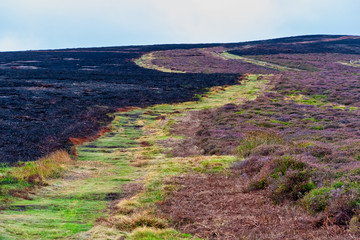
{"x":48,"y":96}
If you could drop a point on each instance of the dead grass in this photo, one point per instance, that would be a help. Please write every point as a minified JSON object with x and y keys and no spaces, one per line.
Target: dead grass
{"x":127,"y":206}
{"x":139,"y":219}
{"x":146,"y":233}
{"x":216,"y":207}
{"x":50,"y":166}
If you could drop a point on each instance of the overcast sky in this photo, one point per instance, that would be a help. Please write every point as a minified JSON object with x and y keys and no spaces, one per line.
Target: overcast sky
{"x":49,"y":24}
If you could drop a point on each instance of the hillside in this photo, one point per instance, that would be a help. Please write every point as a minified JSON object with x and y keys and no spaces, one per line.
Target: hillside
{"x":255,"y":140}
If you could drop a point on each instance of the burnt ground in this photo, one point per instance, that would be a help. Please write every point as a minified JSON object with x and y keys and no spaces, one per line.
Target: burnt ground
{"x":216,"y":207}
{"x":47,"y":97}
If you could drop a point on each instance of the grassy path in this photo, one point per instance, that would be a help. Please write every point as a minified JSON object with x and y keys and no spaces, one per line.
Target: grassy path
{"x":72,"y":204}
{"x":145,"y":61}
{"x":69,"y":207}
{"x":227,"y":56}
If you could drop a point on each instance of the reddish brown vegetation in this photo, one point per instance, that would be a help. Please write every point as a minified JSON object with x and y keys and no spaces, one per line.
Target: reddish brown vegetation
{"x":216,"y":207}
{"x":79,"y":141}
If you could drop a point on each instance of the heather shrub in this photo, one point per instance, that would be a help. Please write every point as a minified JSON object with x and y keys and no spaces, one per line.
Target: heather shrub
{"x":344,"y":202}
{"x":343,"y":207}
{"x":272,"y":149}
{"x":317,"y":199}
{"x":339,"y":202}
{"x":293,"y":186}
{"x":285,"y":177}
{"x":319,"y":150}
{"x":290,"y":179}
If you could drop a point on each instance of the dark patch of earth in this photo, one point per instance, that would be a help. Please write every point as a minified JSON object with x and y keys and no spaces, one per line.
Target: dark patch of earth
{"x":41,"y":107}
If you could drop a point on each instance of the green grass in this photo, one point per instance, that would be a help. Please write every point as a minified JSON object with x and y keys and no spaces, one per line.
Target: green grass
{"x":249,"y":90}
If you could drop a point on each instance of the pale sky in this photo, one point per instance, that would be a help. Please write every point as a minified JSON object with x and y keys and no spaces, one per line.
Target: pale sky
{"x":50,"y":24}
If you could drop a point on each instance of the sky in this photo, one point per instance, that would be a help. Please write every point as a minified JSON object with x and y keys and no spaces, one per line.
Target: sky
{"x":53,"y":24}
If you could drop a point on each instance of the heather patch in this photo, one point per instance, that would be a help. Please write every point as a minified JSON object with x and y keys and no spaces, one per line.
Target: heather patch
{"x":204,"y":61}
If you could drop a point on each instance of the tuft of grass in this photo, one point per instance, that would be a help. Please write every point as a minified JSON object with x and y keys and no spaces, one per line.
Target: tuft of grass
{"x":16,"y":182}
{"x":50,"y":166}
{"x":127,"y":206}
{"x":142,"y":219}
{"x":254,"y":139}
{"x":146,"y":233}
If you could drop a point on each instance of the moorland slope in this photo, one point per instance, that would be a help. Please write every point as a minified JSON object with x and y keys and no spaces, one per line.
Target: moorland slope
{"x":255,"y":140}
